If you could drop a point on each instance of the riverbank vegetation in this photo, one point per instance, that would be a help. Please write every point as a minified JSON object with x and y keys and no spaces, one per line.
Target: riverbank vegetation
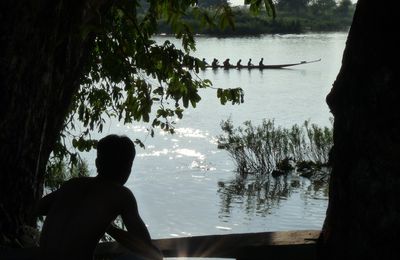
{"x":292,"y":16}
{"x":272,"y":150}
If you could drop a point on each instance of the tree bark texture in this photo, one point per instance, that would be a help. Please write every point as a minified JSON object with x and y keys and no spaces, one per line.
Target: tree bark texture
{"x":44,"y":48}
{"x":363,"y":216}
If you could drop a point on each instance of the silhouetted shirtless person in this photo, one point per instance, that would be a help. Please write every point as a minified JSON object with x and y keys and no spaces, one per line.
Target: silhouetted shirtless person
{"x":81,"y":211}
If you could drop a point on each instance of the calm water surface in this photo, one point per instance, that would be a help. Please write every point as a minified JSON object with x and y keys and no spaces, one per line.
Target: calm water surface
{"x":185,"y":186}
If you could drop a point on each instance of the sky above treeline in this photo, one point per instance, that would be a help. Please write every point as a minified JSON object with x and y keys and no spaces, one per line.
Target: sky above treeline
{"x":241,"y":2}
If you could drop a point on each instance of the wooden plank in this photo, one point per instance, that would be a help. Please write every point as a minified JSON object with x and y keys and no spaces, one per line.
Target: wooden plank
{"x":275,"y":245}
{"x":288,"y":252}
{"x":265,"y":245}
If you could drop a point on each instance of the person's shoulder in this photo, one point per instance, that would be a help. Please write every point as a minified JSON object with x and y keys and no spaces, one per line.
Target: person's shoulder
{"x":77,"y":181}
{"x":119,"y":190}
{"x":127,"y":197}
{"x":127,"y":192}
{"x":84,"y":184}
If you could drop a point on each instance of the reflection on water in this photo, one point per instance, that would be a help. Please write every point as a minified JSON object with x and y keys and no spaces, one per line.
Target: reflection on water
{"x":259,"y":195}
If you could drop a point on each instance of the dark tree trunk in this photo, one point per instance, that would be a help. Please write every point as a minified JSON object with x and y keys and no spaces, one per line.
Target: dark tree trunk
{"x":363,"y":217}
{"x":43,"y":49}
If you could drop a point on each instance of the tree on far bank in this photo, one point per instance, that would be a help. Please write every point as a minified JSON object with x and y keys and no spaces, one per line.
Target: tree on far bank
{"x":344,"y":8}
{"x":211,"y":3}
{"x":296,"y":6}
{"x":322,"y":7}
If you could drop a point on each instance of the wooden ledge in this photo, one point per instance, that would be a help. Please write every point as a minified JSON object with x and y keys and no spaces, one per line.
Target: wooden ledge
{"x":272,"y":245}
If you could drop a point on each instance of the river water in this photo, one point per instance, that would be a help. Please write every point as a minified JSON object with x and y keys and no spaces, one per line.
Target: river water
{"x":185,"y":186}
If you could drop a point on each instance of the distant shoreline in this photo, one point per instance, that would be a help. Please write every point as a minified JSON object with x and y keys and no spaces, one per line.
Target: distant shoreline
{"x":286,"y":22}
{"x":253,"y":35}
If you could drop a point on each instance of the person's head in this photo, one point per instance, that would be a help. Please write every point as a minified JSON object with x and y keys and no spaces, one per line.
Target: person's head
{"x":115,"y":156}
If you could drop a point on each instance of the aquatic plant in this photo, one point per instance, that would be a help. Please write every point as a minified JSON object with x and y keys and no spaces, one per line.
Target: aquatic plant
{"x":268,"y":149}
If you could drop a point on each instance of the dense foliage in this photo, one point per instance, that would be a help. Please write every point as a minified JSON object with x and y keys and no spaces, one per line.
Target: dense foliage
{"x":292,"y":16}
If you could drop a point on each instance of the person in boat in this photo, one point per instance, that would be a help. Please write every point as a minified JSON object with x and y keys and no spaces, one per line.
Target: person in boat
{"x":214,"y":63}
{"x":238,"y":64}
{"x":204,"y":63}
{"x":249,"y":64}
{"x":261,"y":64}
{"x":82,"y":210}
{"x":227,"y":64}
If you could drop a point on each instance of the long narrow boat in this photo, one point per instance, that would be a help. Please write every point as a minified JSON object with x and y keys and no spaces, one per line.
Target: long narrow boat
{"x":273,"y":66}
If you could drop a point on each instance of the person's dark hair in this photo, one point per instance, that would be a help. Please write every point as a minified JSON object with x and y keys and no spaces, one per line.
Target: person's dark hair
{"x":115,"y":155}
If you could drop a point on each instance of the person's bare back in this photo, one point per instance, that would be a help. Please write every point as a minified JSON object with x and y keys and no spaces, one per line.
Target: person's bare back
{"x":80,"y":212}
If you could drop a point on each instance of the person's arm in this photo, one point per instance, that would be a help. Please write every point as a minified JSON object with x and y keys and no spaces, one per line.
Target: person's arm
{"x":137,"y":238}
{"x":137,"y":245}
